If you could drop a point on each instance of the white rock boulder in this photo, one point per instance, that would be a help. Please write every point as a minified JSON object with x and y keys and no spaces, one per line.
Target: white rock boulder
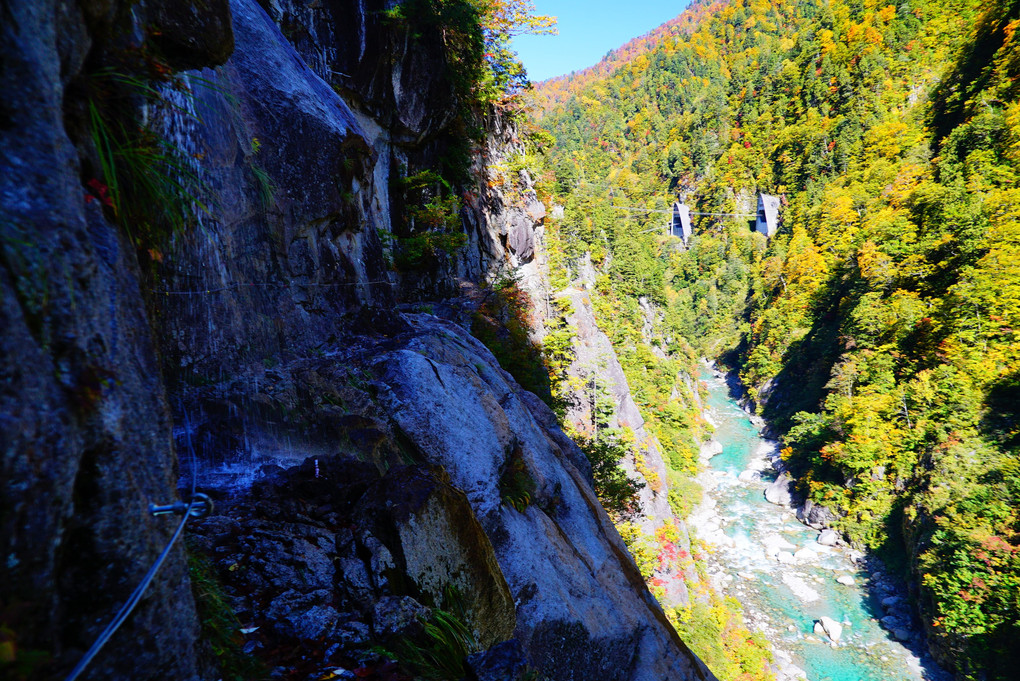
{"x":710,"y":449}
{"x":780,"y":492}
{"x":774,"y":543}
{"x":805,"y":555}
{"x":830,"y":627}
{"x":828,"y":538}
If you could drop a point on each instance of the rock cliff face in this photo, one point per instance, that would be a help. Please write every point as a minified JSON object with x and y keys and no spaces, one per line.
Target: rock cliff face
{"x":377,"y":459}
{"x":85,"y":440}
{"x":545,"y":569}
{"x":308,"y":201}
{"x":595,"y":363}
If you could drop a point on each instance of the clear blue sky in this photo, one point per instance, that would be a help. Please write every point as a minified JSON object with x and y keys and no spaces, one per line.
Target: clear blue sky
{"x":589,"y":29}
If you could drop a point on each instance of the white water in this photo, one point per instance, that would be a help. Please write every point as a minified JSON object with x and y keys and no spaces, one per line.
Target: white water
{"x":785,"y":580}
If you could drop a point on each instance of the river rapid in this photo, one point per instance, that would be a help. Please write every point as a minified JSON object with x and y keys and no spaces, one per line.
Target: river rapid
{"x":786,"y":581}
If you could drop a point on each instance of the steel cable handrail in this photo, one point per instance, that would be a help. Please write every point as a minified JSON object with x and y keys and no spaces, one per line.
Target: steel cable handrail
{"x":132,"y":601}
{"x":198,"y":506}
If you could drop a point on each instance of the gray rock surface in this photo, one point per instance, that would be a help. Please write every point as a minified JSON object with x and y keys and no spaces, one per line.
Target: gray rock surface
{"x":396,"y":616}
{"x":327,"y":134}
{"x":562,"y":558}
{"x":409,"y":534}
{"x":597,"y":367}
{"x":828,"y":538}
{"x":297,"y":140}
{"x":332,"y":554}
{"x":192,"y":34}
{"x":303,"y":615}
{"x":85,"y":440}
{"x":442,"y":546}
{"x":498,"y":663}
{"x":780,"y":491}
{"x":814,"y":515}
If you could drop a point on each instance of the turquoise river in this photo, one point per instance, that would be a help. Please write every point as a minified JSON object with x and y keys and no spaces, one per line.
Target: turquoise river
{"x":785,"y":596}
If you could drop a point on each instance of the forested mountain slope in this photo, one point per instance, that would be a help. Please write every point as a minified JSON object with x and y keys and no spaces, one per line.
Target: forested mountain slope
{"x":879,"y":330}
{"x":559,"y":89}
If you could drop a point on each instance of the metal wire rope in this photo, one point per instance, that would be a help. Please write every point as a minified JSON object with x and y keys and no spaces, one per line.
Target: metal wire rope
{"x":240,"y":285}
{"x":136,"y":595}
{"x":131,"y":602}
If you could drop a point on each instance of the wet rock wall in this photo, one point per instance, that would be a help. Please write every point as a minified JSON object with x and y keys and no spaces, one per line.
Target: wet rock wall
{"x":267,"y":331}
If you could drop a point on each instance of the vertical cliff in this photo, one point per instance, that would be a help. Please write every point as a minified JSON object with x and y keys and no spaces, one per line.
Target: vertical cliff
{"x":316,"y":213}
{"x":223,"y":227}
{"x":86,"y":430}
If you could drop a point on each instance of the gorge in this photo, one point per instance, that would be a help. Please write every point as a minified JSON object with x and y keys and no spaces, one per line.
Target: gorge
{"x":789,"y":576}
{"x":337,"y":266}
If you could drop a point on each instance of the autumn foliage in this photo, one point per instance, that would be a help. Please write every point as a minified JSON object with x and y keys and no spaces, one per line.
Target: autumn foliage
{"x":879,"y":330}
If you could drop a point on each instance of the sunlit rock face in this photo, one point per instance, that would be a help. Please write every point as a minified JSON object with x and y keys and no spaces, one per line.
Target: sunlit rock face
{"x":596,"y":366}
{"x":454,"y":440}
{"x":562,"y":558}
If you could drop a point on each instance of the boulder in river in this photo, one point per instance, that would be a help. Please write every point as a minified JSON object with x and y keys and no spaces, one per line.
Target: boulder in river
{"x":780,"y":492}
{"x":805,"y":555}
{"x":813,"y":515}
{"x":892,"y":623}
{"x":845,"y":580}
{"x":709,"y":449}
{"x":784,"y":557}
{"x":774,"y":543}
{"x":828,"y":538}
{"x":830,"y":628}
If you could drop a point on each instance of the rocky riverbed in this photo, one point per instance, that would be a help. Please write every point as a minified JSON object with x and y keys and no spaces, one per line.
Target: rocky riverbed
{"x":832,"y":613}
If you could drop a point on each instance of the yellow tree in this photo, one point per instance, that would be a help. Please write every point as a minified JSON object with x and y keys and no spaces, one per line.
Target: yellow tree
{"x":510,"y":18}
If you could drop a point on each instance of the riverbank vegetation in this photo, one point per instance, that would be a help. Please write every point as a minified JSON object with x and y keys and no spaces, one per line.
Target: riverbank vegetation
{"x":879,"y":330}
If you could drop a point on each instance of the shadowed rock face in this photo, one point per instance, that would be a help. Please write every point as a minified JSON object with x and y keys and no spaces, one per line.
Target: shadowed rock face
{"x":442,"y":546}
{"x":192,"y":34}
{"x":302,"y":138}
{"x":288,"y":244}
{"x":272,"y":321}
{"x":390,"y":70}
{"x":333,"y":555}
{"x":85,"y":440}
